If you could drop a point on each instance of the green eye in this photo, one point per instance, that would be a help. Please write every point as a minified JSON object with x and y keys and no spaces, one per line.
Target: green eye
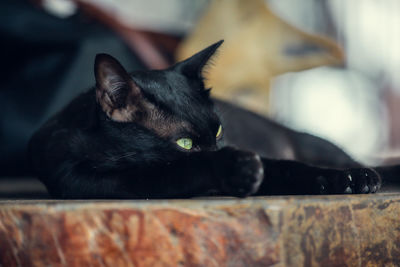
{"x":185,"y":143}
{"x":219,"y":132}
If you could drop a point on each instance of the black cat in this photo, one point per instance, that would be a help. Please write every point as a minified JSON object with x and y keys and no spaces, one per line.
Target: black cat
{"x":155,"y":134}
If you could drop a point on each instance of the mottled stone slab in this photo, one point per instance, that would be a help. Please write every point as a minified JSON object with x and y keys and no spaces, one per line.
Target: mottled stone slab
{"x":270,"y":231}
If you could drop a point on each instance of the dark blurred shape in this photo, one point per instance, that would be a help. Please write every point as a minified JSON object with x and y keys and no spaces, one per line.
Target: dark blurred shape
{"x":154,"y":49}
{"x":22,"y":188}
{"x":46,"y":61}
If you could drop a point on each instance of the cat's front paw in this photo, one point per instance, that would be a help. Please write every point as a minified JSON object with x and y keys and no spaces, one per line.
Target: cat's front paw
{"x":351,"y":181}
{"x":244,"y":172}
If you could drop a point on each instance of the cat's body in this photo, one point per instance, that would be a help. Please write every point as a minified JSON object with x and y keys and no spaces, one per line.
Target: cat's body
{"x":155,"y":134}
{"x":250,"y":131}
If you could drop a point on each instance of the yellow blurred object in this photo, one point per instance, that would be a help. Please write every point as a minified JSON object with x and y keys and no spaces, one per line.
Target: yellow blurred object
{"x":258,"y":46}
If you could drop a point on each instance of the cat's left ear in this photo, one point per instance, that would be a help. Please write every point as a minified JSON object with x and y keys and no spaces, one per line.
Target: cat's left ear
{"x":193,"y":66}
{"x":115,"y":89}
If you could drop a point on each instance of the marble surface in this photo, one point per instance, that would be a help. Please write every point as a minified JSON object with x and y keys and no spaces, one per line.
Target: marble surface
{"x":361,"y":230}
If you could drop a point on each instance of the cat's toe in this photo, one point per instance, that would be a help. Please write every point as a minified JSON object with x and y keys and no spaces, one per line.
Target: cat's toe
{"x":364,"y":180}
{"x":351,"y":181}
{"x":247,"y":175}
{"x":322,"y":185}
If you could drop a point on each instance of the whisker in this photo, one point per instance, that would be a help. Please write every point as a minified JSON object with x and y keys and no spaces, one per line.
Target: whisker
{"x":126,"y":155}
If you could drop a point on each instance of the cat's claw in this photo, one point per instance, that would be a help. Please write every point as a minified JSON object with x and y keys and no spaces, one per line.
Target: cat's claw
{"x":351,"y":181}
{"x":348,"y":190}
{"x":367,"y":181}
{"x":245,"y":175}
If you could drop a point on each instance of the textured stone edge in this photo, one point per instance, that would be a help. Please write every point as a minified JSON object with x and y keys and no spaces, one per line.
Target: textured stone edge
{"x":271,"y":231}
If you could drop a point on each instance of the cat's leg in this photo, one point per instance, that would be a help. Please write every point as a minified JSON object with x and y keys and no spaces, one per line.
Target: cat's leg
{"x":79,"y":181}
{"x":227,"y":171}
{"x":291,"y":177}
{"x":240,"y":173}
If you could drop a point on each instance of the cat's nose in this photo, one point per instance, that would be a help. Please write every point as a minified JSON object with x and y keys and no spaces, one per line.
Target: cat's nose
{"x":219,"y":145}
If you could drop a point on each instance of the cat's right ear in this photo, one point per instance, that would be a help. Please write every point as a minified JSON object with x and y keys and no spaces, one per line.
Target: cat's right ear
{"x":114,"y":87}
{"x":193,"y":66}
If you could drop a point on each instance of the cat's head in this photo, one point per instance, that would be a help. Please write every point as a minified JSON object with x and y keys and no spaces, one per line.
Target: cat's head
{"x":171,"y":104}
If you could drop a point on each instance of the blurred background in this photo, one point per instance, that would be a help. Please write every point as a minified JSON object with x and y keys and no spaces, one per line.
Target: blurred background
{"x":330,"y":68}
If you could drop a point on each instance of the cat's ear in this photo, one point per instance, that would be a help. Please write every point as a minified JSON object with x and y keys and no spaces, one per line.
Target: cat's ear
{"x":193,"y":66}
{"x":115,"y":89}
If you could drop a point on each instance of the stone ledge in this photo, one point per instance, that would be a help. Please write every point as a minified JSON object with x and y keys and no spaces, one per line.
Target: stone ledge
{"x":269,"y":231}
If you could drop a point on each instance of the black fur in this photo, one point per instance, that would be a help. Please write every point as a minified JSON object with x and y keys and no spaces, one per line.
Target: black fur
{"x":124,"y":144}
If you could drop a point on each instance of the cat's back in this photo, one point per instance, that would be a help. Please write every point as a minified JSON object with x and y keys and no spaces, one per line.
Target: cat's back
{"x":76,"y":117}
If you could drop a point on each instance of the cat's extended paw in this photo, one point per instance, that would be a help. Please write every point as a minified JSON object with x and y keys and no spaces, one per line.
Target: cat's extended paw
{"x":244,"y":174}
{"x":351,"y":181}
